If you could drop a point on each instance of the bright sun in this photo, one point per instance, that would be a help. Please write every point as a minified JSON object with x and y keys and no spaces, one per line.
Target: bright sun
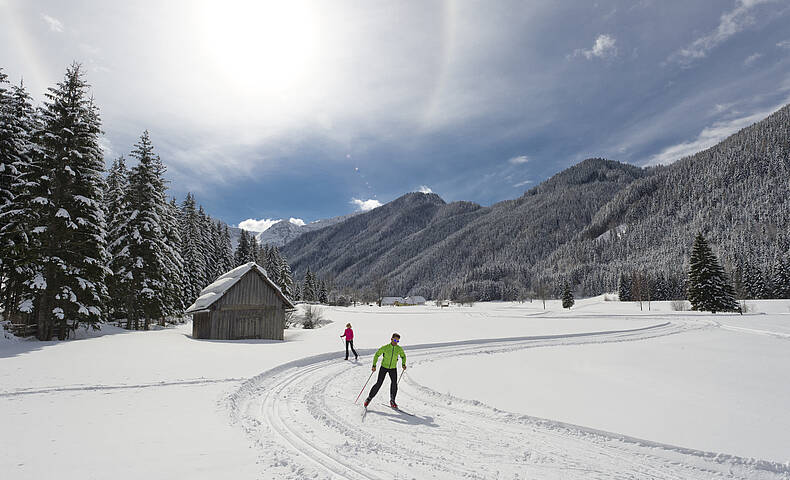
{"x":268,"y":47}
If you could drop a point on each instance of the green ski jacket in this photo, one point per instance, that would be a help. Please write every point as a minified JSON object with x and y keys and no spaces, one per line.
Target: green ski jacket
{"x":391,"y":353}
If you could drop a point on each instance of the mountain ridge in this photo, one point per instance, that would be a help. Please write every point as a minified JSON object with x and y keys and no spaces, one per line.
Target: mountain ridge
{"x":736,"y":192}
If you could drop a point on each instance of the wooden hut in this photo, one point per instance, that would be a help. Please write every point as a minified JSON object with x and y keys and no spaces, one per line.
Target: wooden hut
{"x":243,"y":303}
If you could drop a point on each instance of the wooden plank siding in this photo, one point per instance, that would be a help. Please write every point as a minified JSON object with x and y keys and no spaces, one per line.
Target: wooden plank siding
{"x":249,"y":309}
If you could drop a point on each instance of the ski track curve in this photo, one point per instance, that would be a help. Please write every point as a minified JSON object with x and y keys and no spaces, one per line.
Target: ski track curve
{"x":302,"y":420}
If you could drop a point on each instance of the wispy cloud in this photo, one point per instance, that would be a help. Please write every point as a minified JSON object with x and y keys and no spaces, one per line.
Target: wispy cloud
{"x":425,"y":189}
{"x":365,"y":205}
{"x":519,"y":160}
{"x":783,"y":44}
{"x":752,"y":58}
{"x":54,"y":24}
{"x":604,"y":47}
{"x":258,"y":225}
{"x":709,"y":137}
{"x":730,"y":23}
{"x":521,"y":184}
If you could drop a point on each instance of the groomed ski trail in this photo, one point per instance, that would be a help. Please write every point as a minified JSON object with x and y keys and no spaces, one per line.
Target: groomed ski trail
{"x":302,"y":419}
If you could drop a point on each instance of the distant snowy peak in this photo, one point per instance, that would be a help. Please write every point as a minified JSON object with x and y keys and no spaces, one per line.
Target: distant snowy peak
{"x":280,"y":232}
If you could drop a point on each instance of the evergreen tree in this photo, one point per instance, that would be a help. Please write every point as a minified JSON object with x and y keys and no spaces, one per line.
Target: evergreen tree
{"x":191,"y":250}
{"x":781,"y":278}
{"x":323,"y":295}
{"x":708,"y":289}
{"x":624,"y":288}
{"x":147,"y":264}
{"x":275,"y":264}
{"x":174,"y":272}
{"x":244,"y":251}
{"x":226,"y":258}
{"x":567,"y":297}
{"x":72,"y":255}
{"x":286,"y":280}
{"x":115,"y":207}
{"x":754,"y":282}
{"x":309,"y":293}
{"x":297,"y":292}
{"x":20,"y":169}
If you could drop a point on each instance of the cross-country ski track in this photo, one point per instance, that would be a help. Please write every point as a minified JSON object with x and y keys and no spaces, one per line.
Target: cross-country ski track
{"x":302,"y":419}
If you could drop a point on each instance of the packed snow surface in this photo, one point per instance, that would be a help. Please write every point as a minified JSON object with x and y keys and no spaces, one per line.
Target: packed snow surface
{"x":497,"y":390}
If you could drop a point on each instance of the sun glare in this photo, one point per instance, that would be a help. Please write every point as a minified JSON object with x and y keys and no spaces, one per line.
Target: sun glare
{"x":263,"y":47}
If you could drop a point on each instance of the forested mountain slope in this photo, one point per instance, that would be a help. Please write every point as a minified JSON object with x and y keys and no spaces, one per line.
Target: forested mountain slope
{"x":586,"y":225}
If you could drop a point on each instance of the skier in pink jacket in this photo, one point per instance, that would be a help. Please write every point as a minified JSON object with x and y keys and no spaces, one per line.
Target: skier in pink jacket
{"x":349,"y":334}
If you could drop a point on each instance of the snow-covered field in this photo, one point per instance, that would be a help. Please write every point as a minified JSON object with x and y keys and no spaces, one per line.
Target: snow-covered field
{"x":498,"y":390}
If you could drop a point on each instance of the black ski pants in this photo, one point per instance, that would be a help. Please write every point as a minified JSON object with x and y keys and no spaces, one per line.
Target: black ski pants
{"x":350,"y":342}
{"x":393,"y":372}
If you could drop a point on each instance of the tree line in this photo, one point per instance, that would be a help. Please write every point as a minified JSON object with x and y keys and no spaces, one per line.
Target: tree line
{"x":78,"y":248}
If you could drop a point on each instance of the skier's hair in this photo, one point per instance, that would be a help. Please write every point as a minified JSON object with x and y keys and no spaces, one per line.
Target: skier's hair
{"x":348,"y":325}
{"x":395,"y":335}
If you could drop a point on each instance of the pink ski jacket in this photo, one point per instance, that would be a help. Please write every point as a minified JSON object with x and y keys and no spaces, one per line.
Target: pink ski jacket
{"x":349,"y":334}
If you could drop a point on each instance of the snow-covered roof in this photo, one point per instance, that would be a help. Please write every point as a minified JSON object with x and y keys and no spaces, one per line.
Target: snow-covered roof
{"x":414,"y":300}
{"x":221,"y":285}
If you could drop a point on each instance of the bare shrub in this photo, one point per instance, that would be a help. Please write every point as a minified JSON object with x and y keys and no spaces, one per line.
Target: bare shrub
{"x":747,"y":307}
{"x":313,"y":317}
{"x":680,"y":306}
{"x":290,"y":318}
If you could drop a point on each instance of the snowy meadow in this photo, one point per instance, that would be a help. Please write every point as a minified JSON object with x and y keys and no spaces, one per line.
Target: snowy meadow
{"x":495,"y":390}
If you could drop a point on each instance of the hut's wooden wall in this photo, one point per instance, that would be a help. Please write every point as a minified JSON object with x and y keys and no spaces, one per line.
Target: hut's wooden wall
{"x":250,"y":309}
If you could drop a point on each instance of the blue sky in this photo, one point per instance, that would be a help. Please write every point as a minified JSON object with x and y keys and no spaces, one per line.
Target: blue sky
{"x":315,"y":109}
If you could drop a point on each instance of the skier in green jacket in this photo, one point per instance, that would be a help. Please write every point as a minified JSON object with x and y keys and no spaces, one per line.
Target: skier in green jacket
{"x":389,"y":365}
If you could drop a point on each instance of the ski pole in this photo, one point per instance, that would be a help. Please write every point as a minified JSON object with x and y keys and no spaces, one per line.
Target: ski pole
{"x":363,"y":388}
{"x":403,"y":374}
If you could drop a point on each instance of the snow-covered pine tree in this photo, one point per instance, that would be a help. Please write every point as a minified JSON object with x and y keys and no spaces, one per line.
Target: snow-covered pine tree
{"x":275,"y":264}
{"x":286,"y":280}
{"x":226,"y":259}
{"x":781,"y":280}
{"x":146,"y":264}
{"x":20,"y":169}
{"x":115,"y":207}
{"x":567,"y":296}
{"x":255,"y":250}
{"x":708,"y":289}
{"x":243,"y":250}
{"x":191,"y":250}
{"x":754,"y":282}
{"x":174,"y":275}
{"x":297,"y":292}
{"x":323,"y":295}
{"x":72,"y":258}
{"x":206,"y":229}
{"x":309,"y":288}
{"x":8,"y":148}
{"x":624,"y":288}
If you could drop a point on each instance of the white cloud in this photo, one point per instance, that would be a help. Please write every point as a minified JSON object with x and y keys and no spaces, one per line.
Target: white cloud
{"x":521,"y":184}
{"x":521,"y":159}
{"x":425,"y":189}
{"x":296,"y":221}
{"x":54,"y":24}
{"x":709,"y":137}
{"x":730,"y":23}
{"x":106,"y":146}
{"x":752,"y":58}
{"x":257,"y":225}
{"x":365,"y":205}
{"x":604,"y":47}
{"x":784,"y":44}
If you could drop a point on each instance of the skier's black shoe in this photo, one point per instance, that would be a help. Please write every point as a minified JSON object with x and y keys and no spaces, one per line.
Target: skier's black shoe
{"x":393,"y":404}
{"x":367,"y":402}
